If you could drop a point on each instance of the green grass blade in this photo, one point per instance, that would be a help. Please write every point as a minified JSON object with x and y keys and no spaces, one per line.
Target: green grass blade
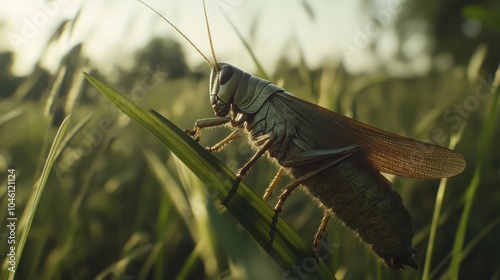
{"x":191,"y":261}
{"x":484,"y":147}
{"x":433,"y":230}
{"x":472,"y":244}
{"x":10,"y":116}
{"x":436,"y":216}
{"x":30,"y":211}
{"x":288,"y":249}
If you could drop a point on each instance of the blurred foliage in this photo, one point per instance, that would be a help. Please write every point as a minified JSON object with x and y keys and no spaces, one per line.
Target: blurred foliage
{"x":108,"y":210}
{"x":454,"y":27}
{"x":488,"y":17}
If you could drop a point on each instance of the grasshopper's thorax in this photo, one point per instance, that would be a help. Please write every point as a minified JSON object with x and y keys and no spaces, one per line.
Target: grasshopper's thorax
{"x":224,"y":81}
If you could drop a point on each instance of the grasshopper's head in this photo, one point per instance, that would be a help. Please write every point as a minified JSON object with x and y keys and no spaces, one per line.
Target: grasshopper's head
{"x":224,"y":81}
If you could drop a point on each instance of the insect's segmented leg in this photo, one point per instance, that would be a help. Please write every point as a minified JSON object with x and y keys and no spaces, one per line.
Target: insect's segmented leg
{"x":219,"y":146}
{"x":291,"y":187}
{"x":196,"y":131}
{"x":274,"y":183}
{"x":322,"y":229}
{"x":281,"y":200}
{"x":204,"y":123}
{"x":271,"y":137}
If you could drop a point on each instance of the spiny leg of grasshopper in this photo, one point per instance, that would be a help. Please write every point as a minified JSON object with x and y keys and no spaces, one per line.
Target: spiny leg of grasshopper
{"x":274,"y":183}
{"x":322,"y":229}
{"x":338,"y":155}
{"x":219,"y":146}
{"x":264,"y":142}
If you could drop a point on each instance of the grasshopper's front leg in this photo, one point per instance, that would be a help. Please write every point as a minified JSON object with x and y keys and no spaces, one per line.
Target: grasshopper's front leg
{"x":205,"y":123}
{"x":213,"y":122}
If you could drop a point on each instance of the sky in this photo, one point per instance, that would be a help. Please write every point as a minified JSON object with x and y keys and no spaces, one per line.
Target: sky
{"x":112,"y":30}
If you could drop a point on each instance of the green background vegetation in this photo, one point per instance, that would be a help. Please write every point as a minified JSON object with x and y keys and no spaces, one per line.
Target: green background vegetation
{"x":118,"y":205}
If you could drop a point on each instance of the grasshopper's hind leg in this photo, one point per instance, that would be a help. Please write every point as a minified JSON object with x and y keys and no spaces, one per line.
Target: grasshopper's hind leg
{"x":274,"y":183}
{"x":321,"y":230}
{"x":337,"y":156}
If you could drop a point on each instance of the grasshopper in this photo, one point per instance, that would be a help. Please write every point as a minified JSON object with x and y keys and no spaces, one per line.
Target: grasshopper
{"x":338,"y":160}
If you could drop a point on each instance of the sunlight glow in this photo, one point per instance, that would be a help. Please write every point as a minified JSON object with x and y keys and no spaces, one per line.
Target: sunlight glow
{"x":112,"y":31}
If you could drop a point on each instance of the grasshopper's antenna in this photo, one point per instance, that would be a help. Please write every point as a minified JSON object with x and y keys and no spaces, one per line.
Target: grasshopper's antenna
{"x":185,"y":37}
{"x":209,"y":35}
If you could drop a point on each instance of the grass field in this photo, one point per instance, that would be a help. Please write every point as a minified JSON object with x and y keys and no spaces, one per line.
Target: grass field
{"x":99,"y":196}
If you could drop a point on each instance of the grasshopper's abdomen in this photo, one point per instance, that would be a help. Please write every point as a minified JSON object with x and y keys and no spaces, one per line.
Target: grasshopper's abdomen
{"x":366,"y":202}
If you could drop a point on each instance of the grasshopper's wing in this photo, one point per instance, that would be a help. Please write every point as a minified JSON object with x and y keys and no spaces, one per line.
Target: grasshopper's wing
{"x":385,"y":151}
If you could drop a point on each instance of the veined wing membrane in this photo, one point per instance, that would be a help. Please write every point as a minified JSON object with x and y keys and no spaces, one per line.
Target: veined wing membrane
{"x":385,"y":151}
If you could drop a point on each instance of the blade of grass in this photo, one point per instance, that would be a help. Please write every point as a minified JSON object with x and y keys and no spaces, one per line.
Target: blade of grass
{"x":29,"y":213}
{"x":71,"y":134}
{"x":472,"y":244}
{"x":436,"y":216}
{"x":191,"y":261}
{"x":165,"y":179}
{"x":10,"y":116}
{"x":120,"y":265}
{"x":288,"y":249}
{"x":197,"y":219}
{"x":484,"y":147}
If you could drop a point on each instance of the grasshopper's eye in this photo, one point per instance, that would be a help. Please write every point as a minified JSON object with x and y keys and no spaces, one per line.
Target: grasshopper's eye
{"x":225,"y":74}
